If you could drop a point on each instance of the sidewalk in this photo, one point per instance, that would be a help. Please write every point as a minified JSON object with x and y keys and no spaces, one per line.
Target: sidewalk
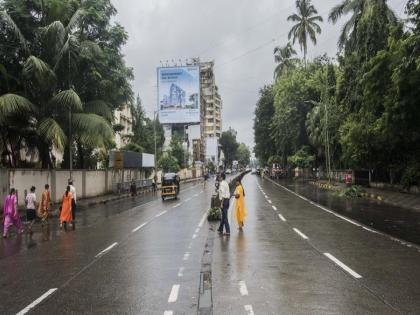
{"x":395,"y":198}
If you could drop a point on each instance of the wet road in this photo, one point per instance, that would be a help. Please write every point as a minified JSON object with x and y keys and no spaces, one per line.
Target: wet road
{"x":144,"y":256}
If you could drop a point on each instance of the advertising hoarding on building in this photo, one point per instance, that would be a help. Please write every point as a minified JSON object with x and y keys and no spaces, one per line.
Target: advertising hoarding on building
{"x":179,"y":94}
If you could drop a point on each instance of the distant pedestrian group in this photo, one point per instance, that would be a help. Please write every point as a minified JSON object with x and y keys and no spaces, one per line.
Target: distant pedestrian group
{"x":41,"y":210}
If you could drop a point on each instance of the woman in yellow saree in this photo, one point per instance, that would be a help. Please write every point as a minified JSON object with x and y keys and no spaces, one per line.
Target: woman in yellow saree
{"x":240,"y":210}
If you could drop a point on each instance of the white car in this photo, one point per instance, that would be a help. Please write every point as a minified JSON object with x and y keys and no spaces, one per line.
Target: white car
{"x":228,"y":171}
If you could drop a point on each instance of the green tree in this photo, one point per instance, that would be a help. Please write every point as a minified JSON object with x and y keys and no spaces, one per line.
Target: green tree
{"x":243,"y":155}
{"x":283,"y":56}
{"x":168,"y":164}
{"x":305,"y":26}
{"x":264,"y":112}
{"x":178,"y":152}
{"x":229,"y":146}
{"x":63,"y":56}
{"x":356,"y":9}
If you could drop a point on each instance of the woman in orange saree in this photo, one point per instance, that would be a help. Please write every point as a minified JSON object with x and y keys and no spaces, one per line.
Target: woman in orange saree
{"x":240,"y":210}
{"x":65,"y":214}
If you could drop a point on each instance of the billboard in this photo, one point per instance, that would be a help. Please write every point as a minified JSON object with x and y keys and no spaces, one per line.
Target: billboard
{"x":179,"y":94}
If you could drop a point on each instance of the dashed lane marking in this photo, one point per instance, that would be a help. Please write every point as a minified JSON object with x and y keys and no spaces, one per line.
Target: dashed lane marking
{"x":203,"y":218}
{"x":177,"y":205}
{"x":188,"y":199}
{"x":282,"y":218}
{"x":168,"y":313}
{"x":197,"y":230}
{"x":274,"y":208}
{"x":181,"y":272}
{"x":161,"y":213}
{"x":194,"y":236}
{"x":139,"y":227}
{"x":242,"y":288}
{"x":186,"y":256}
{"x":300,"y":234}
{"x":106,"y":249}
{"x":37,"y":301}
{"x":248,"y":309}
{"x":196,"y":195}
{"x":174,"y":293}
{"x":343,"y":266}
{"x":269,"y":201}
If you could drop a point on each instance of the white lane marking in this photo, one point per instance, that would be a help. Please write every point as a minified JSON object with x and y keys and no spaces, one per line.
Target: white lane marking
{"x":343,"y":266}
{"x":168,"y":313}
{"x":269,"y":201}
{"x":177,"y":205}
{"x":201,"y":192}
{"x":300,"y":233}
{"x":161,"y":213}
{"x":248,"y":309}
{"x":196,"y":195}
{"x":200,"y":225}
{"x":188,"y":199}
{"x":174,"y":293}
{"x":194,"y":236}
{"x":181,"y":271}
{"x":186,"y":256}
{"x":319,"y":206}
{"x":139,"y":227}
{"x":37,"y":301}
{"x":106,"y":249}
{"x":282,"y":218}
{"x":274,"y":208}
{"x":370,"y":230}
{"x":242,"y":288}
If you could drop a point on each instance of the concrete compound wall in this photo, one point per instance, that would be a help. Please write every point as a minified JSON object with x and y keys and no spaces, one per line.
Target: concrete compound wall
{"x":87,"y":183}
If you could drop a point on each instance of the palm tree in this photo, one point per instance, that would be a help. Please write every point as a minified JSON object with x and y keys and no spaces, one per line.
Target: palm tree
{"x":356,"y":8}
{"x":46,"y":101}
{"x":283,"y":56}
{"x":306,"y":25}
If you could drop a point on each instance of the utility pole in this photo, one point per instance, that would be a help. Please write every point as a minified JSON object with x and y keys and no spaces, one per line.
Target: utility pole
{"x":327,"y":136}
{"x":154,"y":135}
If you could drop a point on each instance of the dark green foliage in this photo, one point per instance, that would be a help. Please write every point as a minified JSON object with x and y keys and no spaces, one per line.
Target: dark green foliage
{"x":365,"y":106}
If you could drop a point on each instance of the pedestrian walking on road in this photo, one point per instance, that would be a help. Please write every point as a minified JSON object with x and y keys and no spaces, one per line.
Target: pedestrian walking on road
{"x":66,"y":209}
{"x":240,"y":210}
{"x":11,"y":214}
{"x":73,"y":204}
{"x":44,"y":205}
{"x":31,"y":203}
{"x":224,"y":196}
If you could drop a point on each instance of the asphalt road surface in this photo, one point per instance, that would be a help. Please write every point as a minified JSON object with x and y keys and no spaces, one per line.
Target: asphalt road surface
{"x":145,"y":256}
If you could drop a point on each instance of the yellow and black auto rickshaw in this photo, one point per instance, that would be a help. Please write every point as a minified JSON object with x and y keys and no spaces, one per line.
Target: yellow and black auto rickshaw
{"x":170,"y":186}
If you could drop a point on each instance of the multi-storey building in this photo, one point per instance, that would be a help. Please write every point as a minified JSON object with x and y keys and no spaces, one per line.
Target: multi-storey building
{"x":211,"y":105}
{"x":124,"y":118}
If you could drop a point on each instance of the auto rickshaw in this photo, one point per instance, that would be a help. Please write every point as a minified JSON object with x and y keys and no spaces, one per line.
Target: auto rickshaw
{"x":170,"y":186}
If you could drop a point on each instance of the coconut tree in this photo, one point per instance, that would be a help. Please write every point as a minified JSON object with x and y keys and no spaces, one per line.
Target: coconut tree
{"x":356,"y":9}
{"x":47,"y":102}
{"x":283,"y":57}
{"x":306,"y":26}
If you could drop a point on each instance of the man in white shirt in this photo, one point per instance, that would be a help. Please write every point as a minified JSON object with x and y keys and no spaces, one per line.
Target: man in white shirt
{"x":73,"y":203}
{"x":224,"y":196}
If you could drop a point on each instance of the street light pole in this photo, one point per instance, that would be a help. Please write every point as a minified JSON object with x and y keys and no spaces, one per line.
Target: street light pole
{"x":154,"y":136}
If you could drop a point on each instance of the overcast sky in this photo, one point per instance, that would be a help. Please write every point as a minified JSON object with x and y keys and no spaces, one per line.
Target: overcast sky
{"x":239,"y":35}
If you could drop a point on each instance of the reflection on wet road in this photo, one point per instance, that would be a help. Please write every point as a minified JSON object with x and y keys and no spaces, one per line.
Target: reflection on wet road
{"x":144,"y":256}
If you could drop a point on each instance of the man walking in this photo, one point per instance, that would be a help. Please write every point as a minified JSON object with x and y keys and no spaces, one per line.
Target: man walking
{"x":224,"y":196}
{"x":73,"y":204}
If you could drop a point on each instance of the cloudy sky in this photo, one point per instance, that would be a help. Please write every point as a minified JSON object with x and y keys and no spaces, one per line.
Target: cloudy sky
{"x":239,"y":35}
